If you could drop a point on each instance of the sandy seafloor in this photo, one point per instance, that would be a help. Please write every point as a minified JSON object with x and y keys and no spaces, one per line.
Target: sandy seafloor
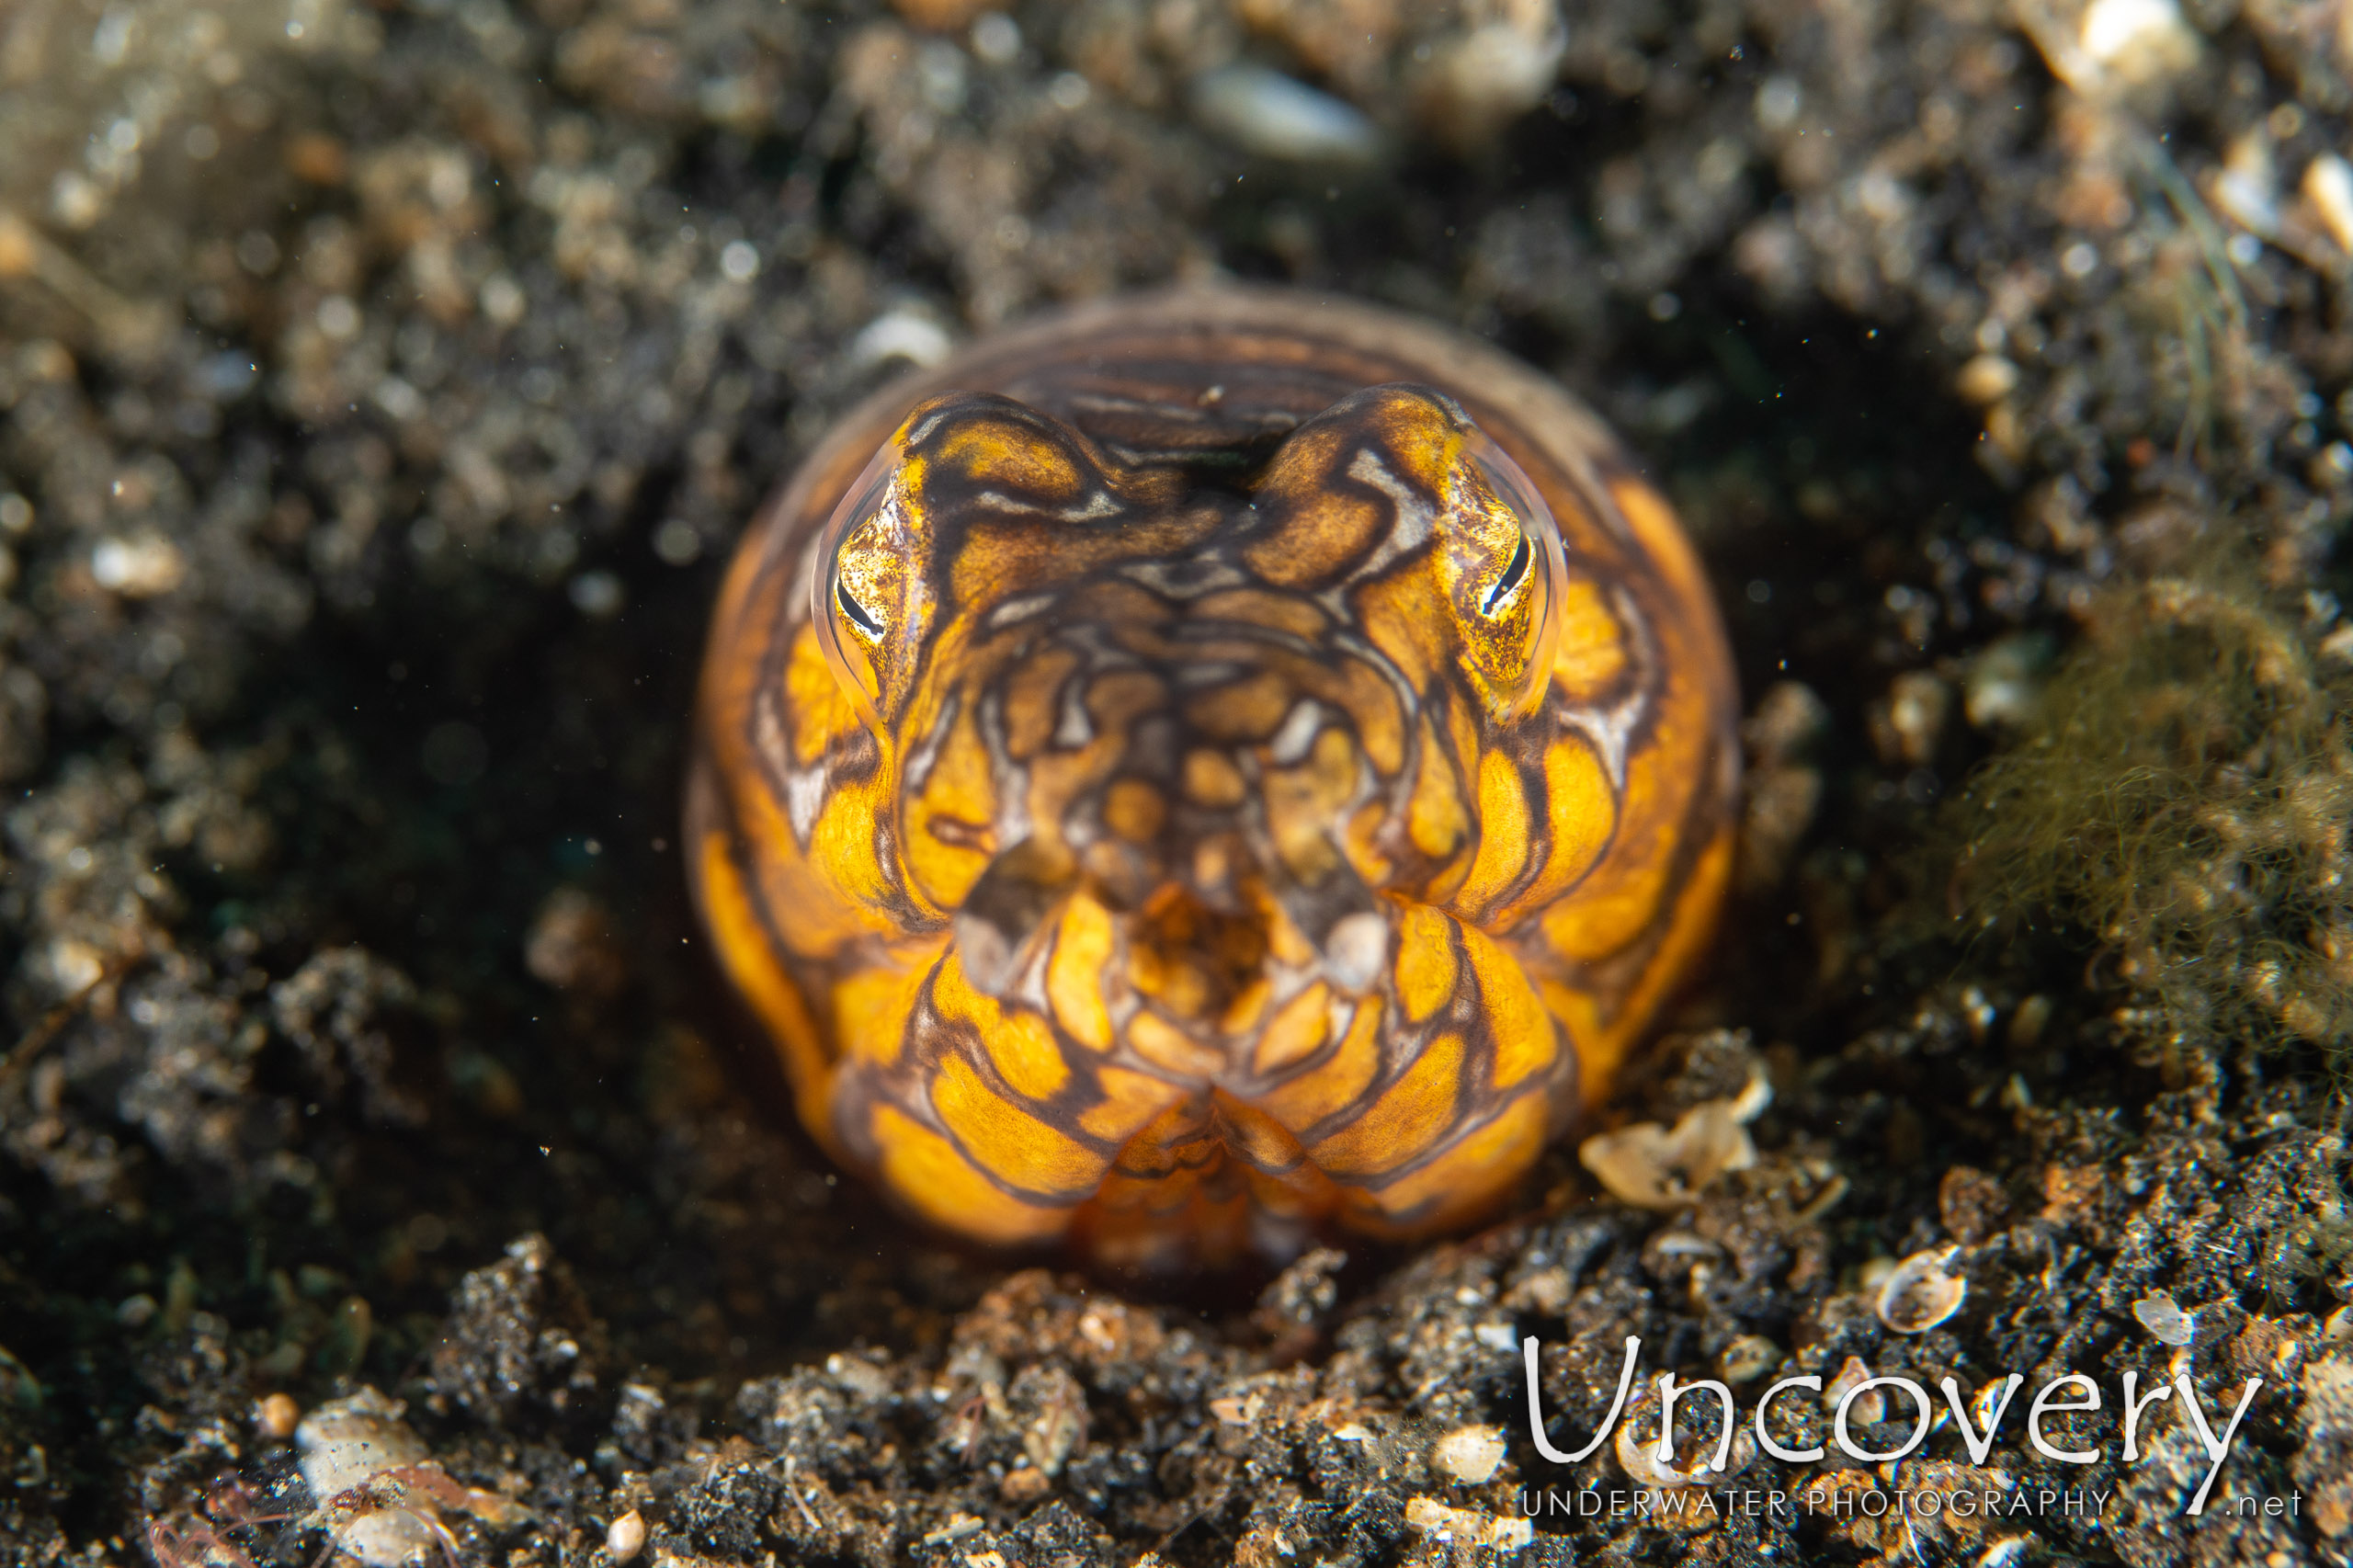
{"x":382,"y":387}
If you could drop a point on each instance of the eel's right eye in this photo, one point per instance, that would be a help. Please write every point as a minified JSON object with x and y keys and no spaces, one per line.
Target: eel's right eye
{"x":856,"y":611}
{"x":849,"y":633}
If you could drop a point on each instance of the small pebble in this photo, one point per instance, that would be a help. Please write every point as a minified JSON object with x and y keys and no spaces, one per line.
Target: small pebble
{"x":275,"y":1416}
{"x":1908,"y":724}
{"x":1747,"y":1359}
{"x":1470,"y":1455}
{"x":2165,"y":1320}
{"x":2138,"y":40}
{"x":1989,"y":378}
{"x":142,"y":568}
{"x":2328,"y":186}
{"x":1270,"y":114}
{"x":1920,"y":1294}
{"x":597,"y":595}
{"x":625,"y":1538}
{"x":1024,"y":1485}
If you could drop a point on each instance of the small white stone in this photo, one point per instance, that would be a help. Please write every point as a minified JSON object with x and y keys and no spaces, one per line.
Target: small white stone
{"x":1467,"y":1527}
{"x":996,"y":39}
{"x":74,"y":965}
{"x":338,"y":317}
{"x":1270,"y":114}
{"x":2165,"y":1320}
{"x":626,"y":1537}
{"x":1778,"y":102}
{"x":1499,"y":1336}
{"x":139,"y":568}
{"x":1470,"y":1455}
{"x":2138,"y":40}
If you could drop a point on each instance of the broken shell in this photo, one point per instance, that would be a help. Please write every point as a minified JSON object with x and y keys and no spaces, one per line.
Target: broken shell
{"x":1638,"y":1457}
{"x":2165,"y":1320}
{"x":1754,"y":1098}
{"x":1652,"y":1168}
{"x":378,"y":1488}
{"x":348,"y":1443}
{"x":1470,"y":1455}
{"x":1920,"y":1294}
{"x":1466,"y":1527}
{"x":1870,"y":1407}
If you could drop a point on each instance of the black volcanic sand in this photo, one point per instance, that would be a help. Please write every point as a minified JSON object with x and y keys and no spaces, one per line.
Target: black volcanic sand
{"x":382,"y":388}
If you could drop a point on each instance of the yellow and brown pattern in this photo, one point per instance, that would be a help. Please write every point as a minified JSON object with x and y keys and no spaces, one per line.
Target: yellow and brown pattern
{"x":1210,"y":766}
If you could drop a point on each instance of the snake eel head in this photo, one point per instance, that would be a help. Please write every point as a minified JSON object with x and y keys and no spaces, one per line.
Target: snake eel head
{"x":1155,"y":690}
{"x":1181,"y":850}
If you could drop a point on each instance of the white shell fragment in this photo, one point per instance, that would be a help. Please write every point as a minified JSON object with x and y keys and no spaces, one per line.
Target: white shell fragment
{"x":2165,"y":1320}
{"x":1651,"y":1167}
{"x":1920,"y":1294}
{"x":377,"y":1488}
{"x":1470,"y":1455}
{"x":348,"y":1443}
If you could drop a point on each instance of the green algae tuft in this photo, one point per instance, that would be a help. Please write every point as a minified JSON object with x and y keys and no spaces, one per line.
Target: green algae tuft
{"x":2184,"y":795}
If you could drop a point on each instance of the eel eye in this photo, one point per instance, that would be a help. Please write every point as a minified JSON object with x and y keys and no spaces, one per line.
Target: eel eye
{"x":1521,"y":605}
{"x":1514,"y":570}
{"x":856,"y":611}
{"x":849,"y":634}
